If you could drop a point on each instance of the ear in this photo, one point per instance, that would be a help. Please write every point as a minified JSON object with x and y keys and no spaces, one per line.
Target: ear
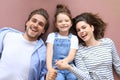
{"x":92,"y":27}
{"x":43,"y":31}
{"x":26,"y":23}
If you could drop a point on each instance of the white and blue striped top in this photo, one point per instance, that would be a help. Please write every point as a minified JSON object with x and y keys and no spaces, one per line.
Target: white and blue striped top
{"x":95,"y":62}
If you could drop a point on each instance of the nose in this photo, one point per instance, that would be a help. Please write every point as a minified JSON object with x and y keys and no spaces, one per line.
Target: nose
{"x":63,"y":22}
{"x":81,"y":30}
{"x":36,"y":24}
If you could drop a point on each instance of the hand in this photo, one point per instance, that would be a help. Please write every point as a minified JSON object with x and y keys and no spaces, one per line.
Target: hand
{"x":59,"y":61}
{"x":62,"y":64}
{"x":51,"y":75}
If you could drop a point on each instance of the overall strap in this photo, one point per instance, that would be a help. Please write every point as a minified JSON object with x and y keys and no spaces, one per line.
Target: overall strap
{"x":70,"y":35}
{"x":56,"y":34}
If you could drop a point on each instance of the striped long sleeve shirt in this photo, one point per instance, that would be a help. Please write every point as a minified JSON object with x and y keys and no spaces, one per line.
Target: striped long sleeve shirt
{"x":95,"y":62}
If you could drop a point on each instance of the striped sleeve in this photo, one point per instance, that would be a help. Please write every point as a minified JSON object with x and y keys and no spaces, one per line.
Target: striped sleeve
{"x":80,"y":74}
{"x":115,"y":57}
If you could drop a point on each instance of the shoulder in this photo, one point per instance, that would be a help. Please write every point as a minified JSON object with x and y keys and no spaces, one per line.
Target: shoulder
{"x":40,"y":41}
{"x":74,"y":37}
{"x":4,"y":31}
{"x":51,"y":37}
{"x":7,"y":29}
{"x":41,"y":47}
{"x":51,"y":34}
{"x":106,"y":40}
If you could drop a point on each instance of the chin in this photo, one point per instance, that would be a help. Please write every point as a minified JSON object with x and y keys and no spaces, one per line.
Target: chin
{"x":85,"y":40}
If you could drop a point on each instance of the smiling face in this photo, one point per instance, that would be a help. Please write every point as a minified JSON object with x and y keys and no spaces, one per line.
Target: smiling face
{"x":35,"y":27}
{"x":63,"y":23}
{"x":85,"y":31}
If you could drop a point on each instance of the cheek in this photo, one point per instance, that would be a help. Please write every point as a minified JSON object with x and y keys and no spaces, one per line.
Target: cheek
{"x":70,"y":23}
{"x":27,"y":24}
{"x":41,"y":29}
{"x":57,"y":25}
{"x":78,"y":33}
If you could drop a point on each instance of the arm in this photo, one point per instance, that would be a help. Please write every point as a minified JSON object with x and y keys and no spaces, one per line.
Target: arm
{"x":51,"y":75}
{"x":73,"y":48}
{"x":80,"y":70}
{"x":42,"y":69}
{"x":43,"y":73}
{"x":49,"y":55}
{"x":3,"y":32}
{"x":82,"y":75}
{"x":70,"y":56}
{"x":115,"y":58}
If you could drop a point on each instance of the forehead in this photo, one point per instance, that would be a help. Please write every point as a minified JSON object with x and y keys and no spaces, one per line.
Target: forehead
{"x":63,"y":16}
{"x":81,"y":23}
{"x":39,"y":17}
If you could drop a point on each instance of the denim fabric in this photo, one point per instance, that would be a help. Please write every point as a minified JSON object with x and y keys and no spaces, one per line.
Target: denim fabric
{"x":61,"y":48}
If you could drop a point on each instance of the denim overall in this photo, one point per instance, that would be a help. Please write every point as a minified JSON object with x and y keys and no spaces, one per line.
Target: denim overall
{"x":61,"y":48}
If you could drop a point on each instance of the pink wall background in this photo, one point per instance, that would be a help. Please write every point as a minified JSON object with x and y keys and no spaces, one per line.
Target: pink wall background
{"x":13,"y":13}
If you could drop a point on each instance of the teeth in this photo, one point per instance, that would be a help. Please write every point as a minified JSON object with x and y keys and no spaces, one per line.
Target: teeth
{"x":33,"y":29}
{"x":83,"y":35}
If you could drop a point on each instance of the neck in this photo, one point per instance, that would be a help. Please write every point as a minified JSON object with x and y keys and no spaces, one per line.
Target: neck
{"x":64,"y":33}
{"x":28,"y":37}
{"x":92,"y":42}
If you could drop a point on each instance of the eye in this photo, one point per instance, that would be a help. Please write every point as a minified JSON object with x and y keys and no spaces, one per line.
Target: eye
{"x":59,"y":21}
{"x":77,"y":30}
{"x":34,"y":20}
{"x":83,"y":27}
{"x":67,"y":20}
{"x":41,"y":24}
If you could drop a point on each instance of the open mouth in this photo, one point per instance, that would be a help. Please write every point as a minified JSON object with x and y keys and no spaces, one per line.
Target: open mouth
{"x":83,"y":36}
{"x":33,"y":29}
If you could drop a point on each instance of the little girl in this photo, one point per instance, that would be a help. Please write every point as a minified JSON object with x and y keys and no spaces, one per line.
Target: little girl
{"x":62,"y":44}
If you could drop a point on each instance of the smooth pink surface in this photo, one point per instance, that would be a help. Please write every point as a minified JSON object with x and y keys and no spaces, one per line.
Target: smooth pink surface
{"x":13,"y":13}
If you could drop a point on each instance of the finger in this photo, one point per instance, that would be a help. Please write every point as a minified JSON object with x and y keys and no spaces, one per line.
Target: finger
{"x":56,"y":60}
